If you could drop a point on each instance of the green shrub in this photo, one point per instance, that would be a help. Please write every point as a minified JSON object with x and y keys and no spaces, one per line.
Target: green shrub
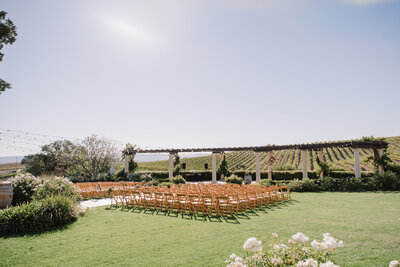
{"x":233,"y":179}
{"x":57,"y":186}
{"x":178,"y":180}
{"x":153,"y":182}
{"x":329,"y":184}
{"x":24,"y":187}
{"x":121,"y":175}
{"x":133,"y":177}
{"x":346,"y":174}
{"x":306,"y":185}
{"x":223,"y":169}
{"x":394,"y":168}
{"x":368,"y":183}
{"x":166,"y":184}
{"x":38,"y":215}
{"x":353,"y":184}
{"x":387,"y":181}
{"x":146,"y":177}
{"x":267,"y":182}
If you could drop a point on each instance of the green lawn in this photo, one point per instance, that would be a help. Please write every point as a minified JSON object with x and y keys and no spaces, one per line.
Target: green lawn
{"x":368,"y":223}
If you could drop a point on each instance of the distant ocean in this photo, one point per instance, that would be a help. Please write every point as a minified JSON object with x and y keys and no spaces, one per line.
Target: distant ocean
{"x":138,"y":158}
{"x":10,"y":159}
{"x":157,"y":157}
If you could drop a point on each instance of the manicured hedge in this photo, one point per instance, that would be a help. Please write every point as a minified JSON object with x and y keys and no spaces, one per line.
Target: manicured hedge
{"x":387,"y":181}
{"x":36,"y":215}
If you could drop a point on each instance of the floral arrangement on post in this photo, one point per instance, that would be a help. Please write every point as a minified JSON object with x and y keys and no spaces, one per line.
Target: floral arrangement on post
{"x":297,"y":253}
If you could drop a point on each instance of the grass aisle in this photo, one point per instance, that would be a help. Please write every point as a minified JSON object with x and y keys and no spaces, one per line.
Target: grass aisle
{"x":368,"y":223}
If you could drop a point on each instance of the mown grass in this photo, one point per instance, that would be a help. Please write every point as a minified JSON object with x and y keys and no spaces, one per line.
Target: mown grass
{"x":368,"y":223}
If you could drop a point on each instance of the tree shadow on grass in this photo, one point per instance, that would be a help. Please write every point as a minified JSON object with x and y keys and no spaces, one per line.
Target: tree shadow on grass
{"x":40,"y":232}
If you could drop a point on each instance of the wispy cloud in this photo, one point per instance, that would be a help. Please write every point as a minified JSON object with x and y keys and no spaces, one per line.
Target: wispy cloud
{"x":367,"y":2}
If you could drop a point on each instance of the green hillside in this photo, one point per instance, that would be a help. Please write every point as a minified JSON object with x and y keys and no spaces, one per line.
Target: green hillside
{"x":339,"y":158}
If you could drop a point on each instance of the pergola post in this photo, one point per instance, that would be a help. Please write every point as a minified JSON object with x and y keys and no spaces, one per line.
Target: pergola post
{"x":269,"y":163}
{"x":380,"y":168}
{"x":214,"y":168}
{"x":222,"y":159}
{"x":304,"y":159}
{"x":127,"y":160}
{"x":171,"y":165}
{"x":321,"y":160}
{"x":258,"y":174}
{"x":357,"y":169}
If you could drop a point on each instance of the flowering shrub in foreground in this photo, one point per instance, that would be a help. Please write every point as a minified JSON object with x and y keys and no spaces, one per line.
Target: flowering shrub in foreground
{"x":394,"y":263}
{"x":24,"y":187}
{"x":57,"y":186}
{"x":297,"y":253}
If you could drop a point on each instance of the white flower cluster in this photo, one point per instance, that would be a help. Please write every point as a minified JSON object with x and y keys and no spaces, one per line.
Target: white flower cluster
{"x":276,"y":261}
{"x":329,"y":242}
{"x":328,"y":264}
{"x":307,"y":263}
{"x":314,"y":263}
{"x":298,"y":253}
{"x":394,"y":263}
{"x":279,"y":246}
{"x":236,"y":261}
{"x":300,"y":237}
{"x":252,"y":244}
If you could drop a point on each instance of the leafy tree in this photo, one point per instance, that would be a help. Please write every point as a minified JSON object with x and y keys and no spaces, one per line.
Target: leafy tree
{"x":377,"y":161}
{"x":133,"y":166}
{"x":177,"y":165}
{"x":324,"y":167}
{"x":223,"y":169}
{"x":94,"y":155}
{"x":54,"y":158}
{"x":131,"y":150}
{"x":88,"y":158}
{"x":60,"y":152}
{"x":38,"y":164}
{"x":8,"y":33}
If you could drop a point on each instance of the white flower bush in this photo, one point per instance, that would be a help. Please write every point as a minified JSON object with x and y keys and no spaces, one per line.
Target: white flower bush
{"x":300,"y":237}
{"x":394,"y":263}
{"x":252,"y":244}
{"x":24,"y":187}
{"x":298,"y":253}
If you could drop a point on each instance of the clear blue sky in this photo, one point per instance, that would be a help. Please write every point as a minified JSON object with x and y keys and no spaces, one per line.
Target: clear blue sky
{"x":203,"y":73}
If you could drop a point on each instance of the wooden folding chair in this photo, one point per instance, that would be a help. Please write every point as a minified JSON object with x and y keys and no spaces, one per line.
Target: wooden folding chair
{"x":149,"y":200}
{"x":184,"y":202}
{"x":160,"y":201}
{"x":172,"y":202}
{"x":209,"y":204}
{"x":234,"y":200}
{"x":196,"y":204}
{"x":285,"y":190}
{"x":224,"y":208}
{"x":116,"y":197}
{"x":244,"y":203}
{"x":252,"y":199}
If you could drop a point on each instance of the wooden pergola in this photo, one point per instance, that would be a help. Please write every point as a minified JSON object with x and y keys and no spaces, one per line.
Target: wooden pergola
{"x":355,"y":145}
